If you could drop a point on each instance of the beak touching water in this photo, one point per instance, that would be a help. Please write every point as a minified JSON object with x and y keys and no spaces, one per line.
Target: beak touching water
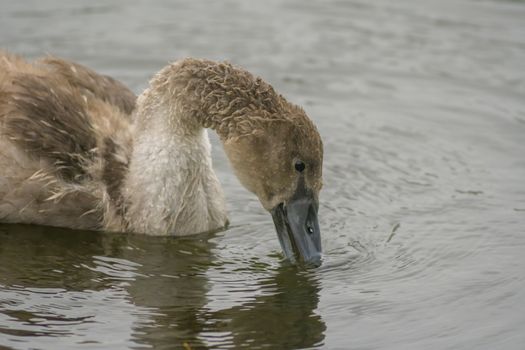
{"x":298,"y":228}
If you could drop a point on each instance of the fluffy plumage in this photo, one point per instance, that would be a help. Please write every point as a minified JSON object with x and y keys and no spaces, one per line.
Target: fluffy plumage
{"x":77,"y":149}
{"x":59,"y":141}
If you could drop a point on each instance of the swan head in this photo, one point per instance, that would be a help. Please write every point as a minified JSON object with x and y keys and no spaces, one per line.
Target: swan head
{"x":280,"y":161}
{"x":274,"y":148}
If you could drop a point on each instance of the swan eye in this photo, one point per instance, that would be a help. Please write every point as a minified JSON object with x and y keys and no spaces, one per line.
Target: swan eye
{"x":299,"y":166}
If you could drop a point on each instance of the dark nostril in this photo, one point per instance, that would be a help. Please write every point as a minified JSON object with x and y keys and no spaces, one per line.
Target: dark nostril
{"x":299,"y":166}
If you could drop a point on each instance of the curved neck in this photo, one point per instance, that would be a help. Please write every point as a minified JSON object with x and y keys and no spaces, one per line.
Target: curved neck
{"x":171,"y":188}
{"x":206,"y":94}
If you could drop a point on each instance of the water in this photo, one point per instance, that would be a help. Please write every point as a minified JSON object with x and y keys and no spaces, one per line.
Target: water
{"x":422,"y":108}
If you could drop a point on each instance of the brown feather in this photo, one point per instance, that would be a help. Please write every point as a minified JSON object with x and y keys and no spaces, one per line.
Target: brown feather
{"x":229,"y":99}
{"x":88,"y":81}
{"x":63,"y":134}
{"x":47,"y":119}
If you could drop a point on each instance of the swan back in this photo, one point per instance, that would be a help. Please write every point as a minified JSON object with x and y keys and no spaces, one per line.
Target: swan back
{"x":65,"y":140}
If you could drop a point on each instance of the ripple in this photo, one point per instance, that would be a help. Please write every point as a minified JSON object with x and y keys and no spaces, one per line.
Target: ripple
{"x":37,"y":315}
{"x":420,"y":105}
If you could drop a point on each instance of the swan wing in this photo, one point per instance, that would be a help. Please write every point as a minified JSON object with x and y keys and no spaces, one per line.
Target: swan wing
{"x":68,"y":129}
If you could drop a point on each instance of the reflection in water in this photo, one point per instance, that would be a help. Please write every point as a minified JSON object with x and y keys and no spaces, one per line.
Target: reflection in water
{"x":150,"y":292}
{"x":41,"y":257}
{"x":284,"y":318}
{"x":174,"y":284}
{"x":84,"y":281}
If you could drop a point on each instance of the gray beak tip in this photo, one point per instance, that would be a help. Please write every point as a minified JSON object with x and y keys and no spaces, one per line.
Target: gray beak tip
{"x":315,"y":261}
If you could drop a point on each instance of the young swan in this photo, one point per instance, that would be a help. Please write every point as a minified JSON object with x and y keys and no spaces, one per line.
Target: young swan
{"x":72,"y":154}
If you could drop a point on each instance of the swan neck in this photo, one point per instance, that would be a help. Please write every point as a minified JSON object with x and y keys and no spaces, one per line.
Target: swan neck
{"x":171,"y":188}
{"x":219,"y":96}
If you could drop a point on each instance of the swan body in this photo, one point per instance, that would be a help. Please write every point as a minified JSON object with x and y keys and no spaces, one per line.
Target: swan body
{"x":80,"y":150}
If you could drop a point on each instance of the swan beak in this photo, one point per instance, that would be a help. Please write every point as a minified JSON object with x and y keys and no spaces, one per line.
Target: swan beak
{"x":298,"y":229}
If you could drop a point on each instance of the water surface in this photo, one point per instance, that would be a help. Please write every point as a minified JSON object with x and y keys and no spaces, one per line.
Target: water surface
{"x":421,"y":105}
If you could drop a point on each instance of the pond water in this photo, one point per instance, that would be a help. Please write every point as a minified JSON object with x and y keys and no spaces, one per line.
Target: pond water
{"x":421,"y":105}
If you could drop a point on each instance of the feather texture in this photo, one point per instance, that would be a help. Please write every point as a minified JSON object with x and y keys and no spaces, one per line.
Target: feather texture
{"x":79,"y":150}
